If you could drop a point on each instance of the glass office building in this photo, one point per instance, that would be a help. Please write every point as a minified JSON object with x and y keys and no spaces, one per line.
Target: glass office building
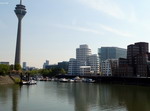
{"x":111,"y":53}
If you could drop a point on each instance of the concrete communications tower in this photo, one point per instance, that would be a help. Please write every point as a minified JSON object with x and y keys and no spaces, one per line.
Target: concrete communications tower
{"x":20,"y":11}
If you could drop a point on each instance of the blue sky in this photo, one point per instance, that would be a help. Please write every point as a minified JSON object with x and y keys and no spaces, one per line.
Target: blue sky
{"x":53,"y":29}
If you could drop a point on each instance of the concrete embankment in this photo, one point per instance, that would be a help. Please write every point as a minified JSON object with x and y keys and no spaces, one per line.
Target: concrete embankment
{"x":6,"y":80}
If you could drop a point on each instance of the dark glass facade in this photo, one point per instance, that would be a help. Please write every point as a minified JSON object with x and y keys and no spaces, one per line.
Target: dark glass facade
{"x":111,"y":53}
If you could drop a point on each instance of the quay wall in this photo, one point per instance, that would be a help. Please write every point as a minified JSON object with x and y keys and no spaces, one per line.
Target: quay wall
{"x":114,"y":80}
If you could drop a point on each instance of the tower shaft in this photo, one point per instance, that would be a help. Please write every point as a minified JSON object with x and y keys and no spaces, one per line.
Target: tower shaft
{"x":18,"y":44}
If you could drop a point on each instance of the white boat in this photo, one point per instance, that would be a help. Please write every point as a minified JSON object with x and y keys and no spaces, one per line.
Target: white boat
{"x":71,"y":80}
{"x":24,"y":83}
{"x":63,"y":80}
{"x":91,"y":81}
{"x":31,"y":82}
{"x":77,"y":79}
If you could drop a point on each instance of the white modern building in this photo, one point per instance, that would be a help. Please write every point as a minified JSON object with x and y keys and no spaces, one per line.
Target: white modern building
{"x":93,"y":61}
{"x":107,"y":66}
{"x":85,"y":70}
{"x":85,"y":62}
{"x":72,"y":69}
{"x":82,"y":54}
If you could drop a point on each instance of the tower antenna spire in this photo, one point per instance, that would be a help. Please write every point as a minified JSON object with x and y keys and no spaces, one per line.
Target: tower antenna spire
{"x":20,"y":2}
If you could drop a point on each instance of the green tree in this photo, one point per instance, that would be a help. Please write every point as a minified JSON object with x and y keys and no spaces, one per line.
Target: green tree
{"x":51,"y":72}
{"x":4,"y":69}
{"x":17,"y":67}
{"x":11,"y":67}
{"x":34,"y":72}
{"x":45,"y":72}
{"x":62,"y":71}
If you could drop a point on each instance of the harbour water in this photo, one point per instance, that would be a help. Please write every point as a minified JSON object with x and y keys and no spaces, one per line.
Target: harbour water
{"x":56,"y":96}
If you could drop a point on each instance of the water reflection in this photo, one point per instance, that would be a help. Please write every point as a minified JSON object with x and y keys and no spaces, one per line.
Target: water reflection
{"x":76,"y":96}
{"x":15,"y":98}
{"x":9,"y":97}
{"x":89,"y":97}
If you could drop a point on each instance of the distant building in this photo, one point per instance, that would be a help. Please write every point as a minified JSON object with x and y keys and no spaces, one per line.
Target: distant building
{"x":64,"y":65}
{"x":85,"y":70}
{"x":114,"y":66}
{"x":137,"y":63}
{"x":61,"y":65}
{"x":24,"y":65}
{"x":28,"y":68}
{"x":93,"y":61}
{"x":45,"y":64}
{"x":72,"y":68}
{"x":85,"y":62}
{"x":124,"y":69}
{"x":138,"y":58}
{"x":111,"y":53}
{"x":81,"y":55}
{"x":51,"y":66}
{"x":108,"y":67}
{"x":31,"y":68}
{"x":6,"y":63}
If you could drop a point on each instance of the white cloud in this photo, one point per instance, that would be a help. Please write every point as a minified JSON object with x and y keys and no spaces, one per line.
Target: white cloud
{"x":116,"y":31}
{"x":112,"y":8}
{"x":79,"y":28}
{"x":96,"y":31}
{"x":107,"y":6}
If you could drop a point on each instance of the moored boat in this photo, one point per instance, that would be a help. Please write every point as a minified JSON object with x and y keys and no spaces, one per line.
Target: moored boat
{"x":30,"y":82}
{"x":63,"y":80}
{"x":71,"y":80}
{"x":88,"y":80}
